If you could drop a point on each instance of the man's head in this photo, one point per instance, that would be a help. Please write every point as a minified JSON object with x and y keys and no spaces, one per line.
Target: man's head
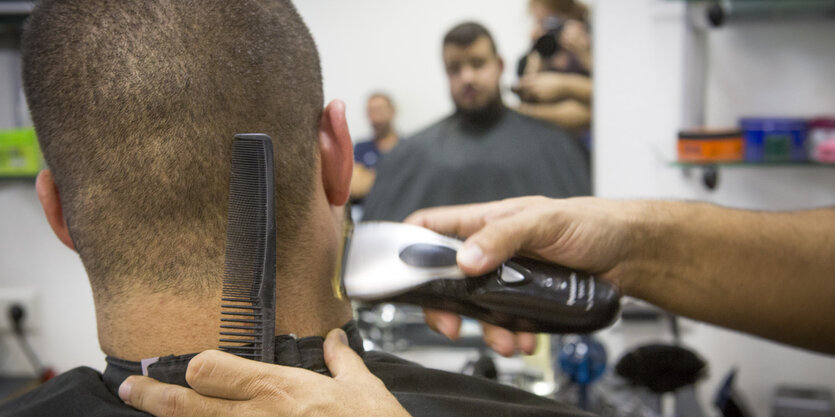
{"x":380,"y":114}
{"x":473,"y":68}
{"x":135,"y":103}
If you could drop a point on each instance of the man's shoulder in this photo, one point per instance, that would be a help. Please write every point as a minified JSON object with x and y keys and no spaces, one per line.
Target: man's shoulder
{"x":78,"y":392}
{"x":364,"y":145}
{"x":430,"y":392}
{"x":534,"y":124}
{"x":433,"y":131}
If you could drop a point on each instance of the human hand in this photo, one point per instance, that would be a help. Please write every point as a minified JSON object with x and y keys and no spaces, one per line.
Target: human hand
{"x":542,"y":87}
{"x":586,"y":233}
{"x":224,"y":384}
{"x":503,"y":341}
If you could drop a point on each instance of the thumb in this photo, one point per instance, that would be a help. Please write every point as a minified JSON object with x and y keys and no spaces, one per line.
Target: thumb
{"x":341,"y":360}
{"x":495,"y":243}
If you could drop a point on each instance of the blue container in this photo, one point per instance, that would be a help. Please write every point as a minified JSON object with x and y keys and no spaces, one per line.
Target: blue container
{"x":774,"y":139}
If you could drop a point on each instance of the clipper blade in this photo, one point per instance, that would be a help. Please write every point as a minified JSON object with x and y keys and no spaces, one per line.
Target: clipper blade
{"x":374,"y":266}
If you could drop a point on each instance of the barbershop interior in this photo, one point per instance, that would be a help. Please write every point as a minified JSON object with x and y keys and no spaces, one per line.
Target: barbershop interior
{"x":638,"y":206}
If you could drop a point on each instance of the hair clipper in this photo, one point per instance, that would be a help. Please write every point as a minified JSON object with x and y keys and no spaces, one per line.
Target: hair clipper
{"x":396,"y":262}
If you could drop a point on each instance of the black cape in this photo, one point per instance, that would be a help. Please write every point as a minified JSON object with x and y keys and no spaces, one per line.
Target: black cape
{"x":422,"y":391}
{"x":457,"y":162}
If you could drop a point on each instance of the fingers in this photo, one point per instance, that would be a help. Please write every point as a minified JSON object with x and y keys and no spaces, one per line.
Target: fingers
{"x":526,"y":342}
{"x":496,"y":242}
{"x":165,"y":400}
{"x":464,"y":220}
{"x":341,"y":360}
{"x":460,"y":220}
{"x":447,"y":324}
{"x":505,"y":342}
{"x":223,"y":375}
{"x":496,"y":230}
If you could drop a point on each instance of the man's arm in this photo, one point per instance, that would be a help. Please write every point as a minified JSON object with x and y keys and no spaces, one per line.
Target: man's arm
{"x":770,"y":274}
{"x":550,"y":87}
{"x":569,"y":114}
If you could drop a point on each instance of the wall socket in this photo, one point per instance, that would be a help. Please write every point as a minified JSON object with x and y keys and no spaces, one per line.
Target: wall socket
{"x":26,"y":297}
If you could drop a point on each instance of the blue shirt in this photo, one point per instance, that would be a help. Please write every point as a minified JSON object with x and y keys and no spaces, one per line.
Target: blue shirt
{"x":367,"y":153}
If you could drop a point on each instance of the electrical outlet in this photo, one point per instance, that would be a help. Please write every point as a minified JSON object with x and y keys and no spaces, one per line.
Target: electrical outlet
{"x":25,"y":297}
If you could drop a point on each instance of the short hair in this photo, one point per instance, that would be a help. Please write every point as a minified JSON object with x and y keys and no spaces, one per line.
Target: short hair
{"x":568,"y":9}
{"x":465,"y":34}
{"x":136,"y":103}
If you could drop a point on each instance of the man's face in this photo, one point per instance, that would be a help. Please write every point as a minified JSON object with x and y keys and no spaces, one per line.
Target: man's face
{"x":380,"y":114}
{"x":473,"y":73}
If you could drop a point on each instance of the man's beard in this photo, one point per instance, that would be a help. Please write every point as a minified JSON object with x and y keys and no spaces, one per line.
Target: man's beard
{"x":483,"y":115}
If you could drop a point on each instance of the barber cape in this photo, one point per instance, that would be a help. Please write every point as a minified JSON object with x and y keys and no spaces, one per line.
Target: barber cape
{"x":456,"y":161}
{"x":422,"y":391}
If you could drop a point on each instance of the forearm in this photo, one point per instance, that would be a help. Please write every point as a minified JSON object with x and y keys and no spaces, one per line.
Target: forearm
{"x":579,"y":87}
{"x":770,"y":274}
{"x":568,"y":114}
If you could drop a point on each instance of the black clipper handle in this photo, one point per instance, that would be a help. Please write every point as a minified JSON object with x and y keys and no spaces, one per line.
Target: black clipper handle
{"x":525,"y":295}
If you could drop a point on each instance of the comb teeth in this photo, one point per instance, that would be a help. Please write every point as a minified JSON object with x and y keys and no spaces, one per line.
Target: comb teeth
{"x":248,"y":301}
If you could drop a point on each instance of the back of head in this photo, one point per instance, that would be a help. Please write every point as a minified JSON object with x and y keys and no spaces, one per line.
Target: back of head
{"x":136,"y":102}
{"x":465,"y":34}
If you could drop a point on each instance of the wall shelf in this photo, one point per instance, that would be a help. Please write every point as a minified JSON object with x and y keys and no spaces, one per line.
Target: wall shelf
{"x":710,"y":170}
{"x":721,"y":12}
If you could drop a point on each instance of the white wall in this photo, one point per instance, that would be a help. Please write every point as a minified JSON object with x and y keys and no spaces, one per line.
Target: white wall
{"x":31,"y":258}
{"x":755,"y":68}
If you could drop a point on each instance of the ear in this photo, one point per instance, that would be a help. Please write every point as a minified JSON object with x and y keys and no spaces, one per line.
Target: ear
{"x":337,"y":153}
{"x":501,"y":64}
{"x":51,"y":202}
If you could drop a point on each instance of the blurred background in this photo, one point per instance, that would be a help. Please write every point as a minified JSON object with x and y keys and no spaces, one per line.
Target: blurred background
{"x":663,"y":73}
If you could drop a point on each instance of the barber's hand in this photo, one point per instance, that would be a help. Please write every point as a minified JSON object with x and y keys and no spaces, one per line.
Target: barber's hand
{"x":542,"y":87}
{"x":503,"y":341}
{"x":588,"y":234}
{"x":224,"y":385}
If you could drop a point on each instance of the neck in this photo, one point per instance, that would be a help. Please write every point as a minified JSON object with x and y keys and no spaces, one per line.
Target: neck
{"x":386,"y":141}
{"x":150,"y":325}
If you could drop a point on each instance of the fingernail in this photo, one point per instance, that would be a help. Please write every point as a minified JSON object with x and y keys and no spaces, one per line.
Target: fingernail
{"x":124,"y":389}
{"x":471,"y":255}
{"x":342,"y":336}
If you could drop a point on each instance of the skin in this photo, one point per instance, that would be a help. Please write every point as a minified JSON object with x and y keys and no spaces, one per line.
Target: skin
{"x":569,"y":114}
{"x":128,"y":329}
{"x":140,"y":324}
{"x":547,"y":87}
{"x":473,"y":73}
{"x":381,"y":114}
{"x":768,"y":274}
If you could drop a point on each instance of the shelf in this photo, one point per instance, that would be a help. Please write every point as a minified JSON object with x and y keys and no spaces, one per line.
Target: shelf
{"x":743,"y":164}
{"x":710,"y":170}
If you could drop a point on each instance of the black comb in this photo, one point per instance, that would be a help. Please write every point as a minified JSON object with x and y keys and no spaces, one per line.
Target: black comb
{"x":247,"y":326}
